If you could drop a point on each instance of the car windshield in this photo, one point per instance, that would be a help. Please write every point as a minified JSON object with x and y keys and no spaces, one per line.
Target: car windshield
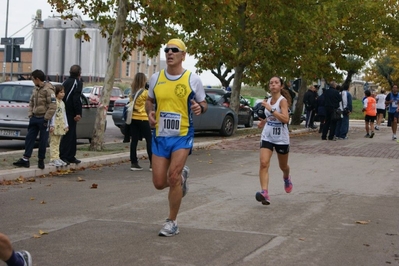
{"x":215,"y":96}
{"x":15,"y":93}
{"x":87,"y":90}
{"x":116,"y":92}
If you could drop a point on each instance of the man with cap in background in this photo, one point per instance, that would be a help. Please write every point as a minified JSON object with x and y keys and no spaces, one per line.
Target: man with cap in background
{"x":174,"y":95}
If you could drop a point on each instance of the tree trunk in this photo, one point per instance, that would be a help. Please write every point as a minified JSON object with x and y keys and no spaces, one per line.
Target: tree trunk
{"x":236,"y":89}
{"x":296,"y":118}
{"x":97,"y":143}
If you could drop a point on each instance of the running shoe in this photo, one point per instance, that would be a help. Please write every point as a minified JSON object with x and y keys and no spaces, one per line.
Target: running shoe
{"x":371,"y":135}
{"x":393,"y":137}
{"x":367,"y":135}
{"x":184,"y":184}
{"x":25,"y":255}
{"x":377,"y":128}
{"x":169,"y":228}
{"x":288,"y":184}
{"x":150,"y":168}
{"x":262,"y":197}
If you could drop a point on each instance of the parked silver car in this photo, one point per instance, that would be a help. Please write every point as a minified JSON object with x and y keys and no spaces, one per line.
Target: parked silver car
{"x":14,"y":104}
{"x":216,"y":118}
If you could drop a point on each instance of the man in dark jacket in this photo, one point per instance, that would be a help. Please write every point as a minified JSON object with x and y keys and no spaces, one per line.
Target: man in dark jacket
{"x":73,"y":107}
{"x":332,"y":99}
{"x":310,"y":101}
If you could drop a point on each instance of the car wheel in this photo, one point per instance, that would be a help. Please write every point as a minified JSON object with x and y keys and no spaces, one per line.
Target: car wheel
{"x":227,"y":126}
{"x":250,"y":121}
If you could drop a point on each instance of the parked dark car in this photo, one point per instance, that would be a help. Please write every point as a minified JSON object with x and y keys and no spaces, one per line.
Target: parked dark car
{"x":14,"y":104}
{"x":217,"y":118}
{"x":245,"y":112}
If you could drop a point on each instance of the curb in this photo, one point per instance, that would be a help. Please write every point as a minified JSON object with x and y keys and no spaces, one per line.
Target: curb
{"x":10,"y":174}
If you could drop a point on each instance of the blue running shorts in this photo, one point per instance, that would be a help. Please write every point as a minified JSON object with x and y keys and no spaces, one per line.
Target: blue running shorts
{"x":165,"y":146}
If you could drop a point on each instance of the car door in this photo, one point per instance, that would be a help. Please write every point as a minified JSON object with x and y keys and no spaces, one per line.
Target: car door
{"x":244,"y":111}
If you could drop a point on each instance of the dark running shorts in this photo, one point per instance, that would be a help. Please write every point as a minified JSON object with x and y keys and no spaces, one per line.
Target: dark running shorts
{"x":280,"y":149}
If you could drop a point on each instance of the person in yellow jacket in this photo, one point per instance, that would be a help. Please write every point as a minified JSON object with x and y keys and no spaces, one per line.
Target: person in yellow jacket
{"x":139,"y":126}
{"x":370,"y":110}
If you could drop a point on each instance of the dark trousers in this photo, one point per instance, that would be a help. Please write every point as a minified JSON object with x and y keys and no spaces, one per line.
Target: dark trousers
{"x":310,"y":118}
{"x":329,"y":125}
{"x":68,"y":142}
{"x":36,"y":125}
{"x":140,"y":129}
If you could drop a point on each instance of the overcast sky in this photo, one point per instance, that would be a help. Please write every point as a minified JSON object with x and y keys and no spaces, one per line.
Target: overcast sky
{"x":21,"y":15}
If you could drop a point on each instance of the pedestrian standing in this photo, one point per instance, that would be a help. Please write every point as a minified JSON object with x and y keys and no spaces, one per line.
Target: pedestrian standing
{"x":58,"y":128}
{"x":174,"y":95}
{"x":370,"y":109}
{"x":310,"y":101}
{"x":381,"y":108}
{"x":12,"y":258}
{"x":321,"y":110}
{"x":139,"y":125}
{"x":42,"y":105}
{"x":275,"y":135}
{"x":341,"y":131}
{"x":332,"y":99}
{"x":392,"y":100}
{"x":73,"y":106}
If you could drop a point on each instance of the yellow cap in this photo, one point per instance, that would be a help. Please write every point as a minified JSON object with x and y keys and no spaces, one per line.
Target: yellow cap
{"x":179,"y":43}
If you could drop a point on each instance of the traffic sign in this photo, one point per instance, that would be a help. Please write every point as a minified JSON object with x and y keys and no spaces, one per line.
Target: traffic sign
{"x":6,"y":41}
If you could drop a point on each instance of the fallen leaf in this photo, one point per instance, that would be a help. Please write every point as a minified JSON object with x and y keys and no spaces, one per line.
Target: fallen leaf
{"x":80,"y":179}
{"x":36,"y":236}
{"x":302,"y":239}
{"x":363,"y":222}
{"x":94,"y":186}
{"x":41,"y":232}
{"x":43,"y":202}
{"x":32,"y":198}
{"x":31,"y":180}
{"x":367,"y":245}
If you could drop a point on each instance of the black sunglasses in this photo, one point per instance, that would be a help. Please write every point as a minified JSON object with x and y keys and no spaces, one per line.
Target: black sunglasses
{"x":174,"y":50}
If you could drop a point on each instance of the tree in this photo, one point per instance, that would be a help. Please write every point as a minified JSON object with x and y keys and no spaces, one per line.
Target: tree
{"x":384,"y":69}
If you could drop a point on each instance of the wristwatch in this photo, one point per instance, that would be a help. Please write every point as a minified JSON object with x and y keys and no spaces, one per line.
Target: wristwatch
{"x":272,"y":110}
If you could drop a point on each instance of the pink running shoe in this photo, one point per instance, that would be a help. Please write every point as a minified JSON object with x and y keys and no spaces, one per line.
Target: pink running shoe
{"x":263,"y":197}
{"x":288,"y":184}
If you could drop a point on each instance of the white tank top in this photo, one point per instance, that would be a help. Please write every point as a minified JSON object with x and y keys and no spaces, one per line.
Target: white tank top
{"x":274,"y":130}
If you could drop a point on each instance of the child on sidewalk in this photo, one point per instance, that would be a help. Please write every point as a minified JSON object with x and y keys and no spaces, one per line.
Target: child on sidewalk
{"x":58,"y":128}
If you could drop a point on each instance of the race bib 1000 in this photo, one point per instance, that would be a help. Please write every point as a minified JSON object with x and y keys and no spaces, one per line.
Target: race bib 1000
{"x":169,"y":124}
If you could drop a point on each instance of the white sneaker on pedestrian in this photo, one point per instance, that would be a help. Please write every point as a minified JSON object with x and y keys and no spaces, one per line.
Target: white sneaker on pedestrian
{"x":52,"y":163}
{"x":394,"y":137}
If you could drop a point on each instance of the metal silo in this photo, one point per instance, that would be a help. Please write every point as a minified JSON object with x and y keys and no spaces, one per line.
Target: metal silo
{"x":40,"y":49}
{"x":55,"y":62}
{"x":103,"y":51}
{"x":71,"y":23}
{"x":49,"y":23}
{"x":88,"y":54}
{"x":71,"y":51}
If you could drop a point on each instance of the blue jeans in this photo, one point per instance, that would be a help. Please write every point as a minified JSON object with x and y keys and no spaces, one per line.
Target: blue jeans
{"x":342,"y":127}
{"x":36,"y":125}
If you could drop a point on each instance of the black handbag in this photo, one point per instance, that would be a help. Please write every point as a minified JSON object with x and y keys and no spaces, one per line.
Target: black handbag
{"x":337,"y":114}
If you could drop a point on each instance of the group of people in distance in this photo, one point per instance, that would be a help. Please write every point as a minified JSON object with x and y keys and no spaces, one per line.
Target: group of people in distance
{"x":174,"y":95}
{"x":375,"y":108}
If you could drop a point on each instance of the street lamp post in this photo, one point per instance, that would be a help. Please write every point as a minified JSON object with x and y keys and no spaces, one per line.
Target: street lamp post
{"x":5,"y":47}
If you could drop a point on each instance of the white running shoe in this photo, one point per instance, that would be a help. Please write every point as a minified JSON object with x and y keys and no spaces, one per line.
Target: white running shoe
{"x":25,"y":255}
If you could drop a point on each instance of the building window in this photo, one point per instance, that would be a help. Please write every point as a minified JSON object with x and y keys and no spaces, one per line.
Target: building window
{"x":127,"y":69}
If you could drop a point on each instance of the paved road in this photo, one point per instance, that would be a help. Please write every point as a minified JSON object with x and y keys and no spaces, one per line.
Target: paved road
{"x":344,"y":210}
